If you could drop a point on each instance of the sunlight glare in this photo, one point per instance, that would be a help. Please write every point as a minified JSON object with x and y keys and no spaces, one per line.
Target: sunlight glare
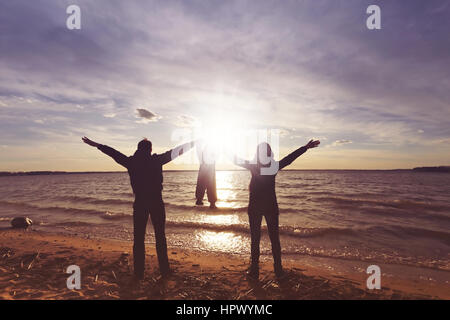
{"x":226,"y":189}
{"x":221,"y":241}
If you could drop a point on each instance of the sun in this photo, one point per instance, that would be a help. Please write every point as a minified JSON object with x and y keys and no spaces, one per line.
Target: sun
{"x":226,"y":127}
{"x":221,"y":136}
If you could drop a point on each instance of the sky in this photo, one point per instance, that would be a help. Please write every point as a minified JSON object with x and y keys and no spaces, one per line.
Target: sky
{"x":376,"y":99}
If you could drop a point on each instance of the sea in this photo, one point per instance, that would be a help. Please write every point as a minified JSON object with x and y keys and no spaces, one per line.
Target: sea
{"x":398,"y":218}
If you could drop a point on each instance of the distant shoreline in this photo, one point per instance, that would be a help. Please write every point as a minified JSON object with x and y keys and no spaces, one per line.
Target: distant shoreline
{"x":445,"y":169}
{"x":433,"y":169}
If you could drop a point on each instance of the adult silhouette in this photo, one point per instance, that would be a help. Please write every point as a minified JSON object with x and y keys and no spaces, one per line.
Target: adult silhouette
{"x":145,"y":171}
{"x":263,"y":201}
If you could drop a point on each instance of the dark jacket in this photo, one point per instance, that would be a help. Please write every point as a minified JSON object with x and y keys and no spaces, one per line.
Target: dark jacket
{"x":262,"y":186}
{"x":145,"y":170}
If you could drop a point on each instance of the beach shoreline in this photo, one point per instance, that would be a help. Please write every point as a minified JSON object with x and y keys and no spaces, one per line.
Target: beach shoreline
{"x":33,"y":266}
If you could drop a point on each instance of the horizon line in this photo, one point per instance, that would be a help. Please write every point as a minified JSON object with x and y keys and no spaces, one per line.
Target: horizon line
{"x":49,"y":172}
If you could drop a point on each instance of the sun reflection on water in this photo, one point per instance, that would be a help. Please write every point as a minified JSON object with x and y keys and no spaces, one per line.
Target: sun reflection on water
{"x":221,"y":241}
{"x":226,"y":193}
{"x":220,"y":219}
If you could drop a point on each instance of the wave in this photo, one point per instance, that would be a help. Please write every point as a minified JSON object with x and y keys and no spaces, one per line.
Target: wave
{"x":325,"y":232}
{"x":244,"y":228}
{"x":125,"y":194}
{"x":69,"y":224}
{"x":374,"y":257}
{"x":415,"y":208}
{"x":419,"y":232}
{"x":299,"y":232}
{"x":410,"y":214}
{"x":92,"y":200}
{"x":287,"y":185}
{"x":205,"y":209}
{"x":116,"y":216}
{"x":292,"y":196}
{"x":396,"y":203}
{"x":392,"y":230}
{"x":54,"y":208}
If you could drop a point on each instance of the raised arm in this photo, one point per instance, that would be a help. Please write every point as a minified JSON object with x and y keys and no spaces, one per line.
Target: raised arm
{"x":242,"y":163}
{"x":176,"y":152}
{"x":119,"y":157}
{"x":297,"y":153}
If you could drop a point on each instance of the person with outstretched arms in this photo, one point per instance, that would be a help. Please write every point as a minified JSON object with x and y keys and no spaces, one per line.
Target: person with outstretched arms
{"x":263,"y":201}
{"x":145,"y":171}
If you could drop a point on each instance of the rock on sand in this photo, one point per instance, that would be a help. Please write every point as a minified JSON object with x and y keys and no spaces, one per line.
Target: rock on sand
{"x":21,"y":222}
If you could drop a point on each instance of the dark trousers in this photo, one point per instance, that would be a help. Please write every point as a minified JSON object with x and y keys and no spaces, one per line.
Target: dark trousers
{"x":142,"y":209}
{"x":255,"y":220}
{"x":208,"y":184}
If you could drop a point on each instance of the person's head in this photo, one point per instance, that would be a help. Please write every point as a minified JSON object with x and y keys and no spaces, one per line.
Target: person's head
{"x":144,"y":146}
{"x":263,"y":153}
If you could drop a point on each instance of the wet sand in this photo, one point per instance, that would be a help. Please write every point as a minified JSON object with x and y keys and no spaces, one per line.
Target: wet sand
{"x":33,"y":266}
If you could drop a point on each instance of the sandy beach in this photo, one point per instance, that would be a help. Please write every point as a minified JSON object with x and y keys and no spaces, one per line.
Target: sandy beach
{"x":33,"y":265}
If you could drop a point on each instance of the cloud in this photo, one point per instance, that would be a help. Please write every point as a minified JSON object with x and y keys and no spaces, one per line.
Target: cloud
{"x":186,"y":121}
{"x":341,"y":142}
{"x":283,"y":132}
{"x":445,"y":141}
{"x":147,"y":116}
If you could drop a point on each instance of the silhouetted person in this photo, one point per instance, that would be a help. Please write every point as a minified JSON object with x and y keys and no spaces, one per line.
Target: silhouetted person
{"x":145,"y":171}
{"x":206,"y":179}
{"x":263,"y":201}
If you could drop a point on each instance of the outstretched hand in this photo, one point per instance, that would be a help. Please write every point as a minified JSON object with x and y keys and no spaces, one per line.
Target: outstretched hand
{"x":90,"y":142}
{"x":312,"y":144}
